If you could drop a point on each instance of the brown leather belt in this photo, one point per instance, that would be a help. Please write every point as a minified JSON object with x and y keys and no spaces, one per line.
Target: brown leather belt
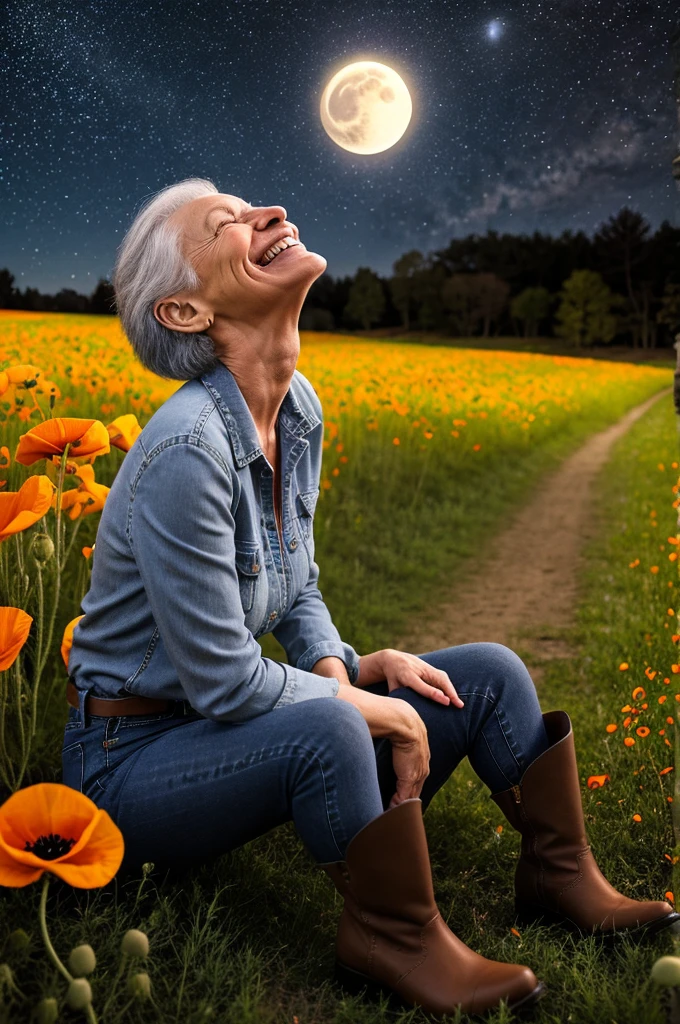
{"x":119,"y":706}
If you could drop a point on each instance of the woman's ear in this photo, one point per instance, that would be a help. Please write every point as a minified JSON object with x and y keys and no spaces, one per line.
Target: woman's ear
{"x":178,"y":314}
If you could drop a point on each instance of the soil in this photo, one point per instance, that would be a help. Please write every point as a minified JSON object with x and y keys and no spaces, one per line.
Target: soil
{"x":524,"y":592}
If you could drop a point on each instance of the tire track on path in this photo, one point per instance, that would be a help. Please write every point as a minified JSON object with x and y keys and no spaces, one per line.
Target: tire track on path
{"x":523,"y":592}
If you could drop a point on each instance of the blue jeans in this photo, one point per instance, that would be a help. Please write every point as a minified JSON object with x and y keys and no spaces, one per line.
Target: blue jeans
{"x":184,"y":789}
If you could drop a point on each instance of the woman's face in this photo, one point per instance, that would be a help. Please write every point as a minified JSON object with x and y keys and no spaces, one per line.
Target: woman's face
{"x":225,"y":239}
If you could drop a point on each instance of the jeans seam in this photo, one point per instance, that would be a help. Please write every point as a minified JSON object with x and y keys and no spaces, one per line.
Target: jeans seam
{"x":507,"y":741}
{"x":509,"y":781}
{"x":476,"y":693}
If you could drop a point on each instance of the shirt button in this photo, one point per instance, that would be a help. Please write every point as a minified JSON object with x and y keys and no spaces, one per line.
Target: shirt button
{"x":293,"y":544}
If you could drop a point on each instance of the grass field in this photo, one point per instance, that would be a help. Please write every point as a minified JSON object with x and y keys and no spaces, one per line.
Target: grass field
{"x":250,"y":939}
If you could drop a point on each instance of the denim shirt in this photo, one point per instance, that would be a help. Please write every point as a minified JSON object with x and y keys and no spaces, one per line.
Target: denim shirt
{"x":188,"y":569}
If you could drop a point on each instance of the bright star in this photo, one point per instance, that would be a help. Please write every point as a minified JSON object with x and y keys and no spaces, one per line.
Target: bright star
{"x":494,"y":29}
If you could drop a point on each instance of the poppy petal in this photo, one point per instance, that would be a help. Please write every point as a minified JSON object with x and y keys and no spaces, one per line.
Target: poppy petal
{"x":98,"y":859}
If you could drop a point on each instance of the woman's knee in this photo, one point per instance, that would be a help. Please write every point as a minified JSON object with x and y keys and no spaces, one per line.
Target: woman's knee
{"x":509,"y":669}
{"x":338,"y":721}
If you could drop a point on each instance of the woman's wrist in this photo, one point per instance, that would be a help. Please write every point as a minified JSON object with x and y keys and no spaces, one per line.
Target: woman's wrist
{"x":332,"y":668}
{"x":370,"y":669}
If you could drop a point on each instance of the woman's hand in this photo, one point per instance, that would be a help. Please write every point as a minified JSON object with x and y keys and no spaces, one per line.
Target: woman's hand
{"x":403,"y":669}
{"x":410,"y":757}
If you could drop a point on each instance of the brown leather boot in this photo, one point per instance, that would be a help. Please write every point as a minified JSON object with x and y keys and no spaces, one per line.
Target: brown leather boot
{"x":557,"y":879}
{"x":393,"y":940}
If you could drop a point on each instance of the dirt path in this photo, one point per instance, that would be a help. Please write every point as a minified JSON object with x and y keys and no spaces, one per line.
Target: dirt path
{"x":524,"y":591}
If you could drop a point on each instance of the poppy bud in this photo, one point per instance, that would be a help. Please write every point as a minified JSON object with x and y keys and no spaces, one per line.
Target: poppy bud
{"x":79,"y":994}
{"x":47,"y":1011}
{"x":42,"y":548}
{"x":147,"y":868}
{"x":666,"y":971}
{"x":82,"y":960}
{"x":18,"y":940}
{"x":7,"y":979}
{"x":135,"y":943}
{"x":139,"y":985}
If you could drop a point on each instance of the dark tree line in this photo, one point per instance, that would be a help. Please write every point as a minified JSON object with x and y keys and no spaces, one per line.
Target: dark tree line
{"x":65,"y":301}
{"x":622,"y":284}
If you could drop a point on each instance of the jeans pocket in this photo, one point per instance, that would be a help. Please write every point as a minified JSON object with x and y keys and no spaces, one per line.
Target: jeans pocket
{"x":72,"y":766}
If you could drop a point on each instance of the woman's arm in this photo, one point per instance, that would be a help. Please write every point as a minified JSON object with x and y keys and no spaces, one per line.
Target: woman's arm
{"x":384,"y":716}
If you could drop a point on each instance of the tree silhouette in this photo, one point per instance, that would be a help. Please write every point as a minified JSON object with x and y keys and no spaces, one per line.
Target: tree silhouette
{"x":585,"y":313}
{"x":103,"y":298}
{"x":7,"y":291}
{"x":622,"y":241}
{"x":366,"y":298}
{"x":401,"y":285}
{"x":530,"y":307}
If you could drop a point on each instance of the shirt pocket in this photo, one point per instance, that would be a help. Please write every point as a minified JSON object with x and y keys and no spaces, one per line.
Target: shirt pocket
{"x":306,"y":506}
{"x":248,"y":567}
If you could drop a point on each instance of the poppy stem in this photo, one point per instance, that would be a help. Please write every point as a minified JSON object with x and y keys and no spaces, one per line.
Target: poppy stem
{"x":20,"y":716}
{"x":74,"y":534}
{"x":5,"y":762}
{"x":57,"y":588}
{"x":43,"y":928}
{"x":114,"y":983}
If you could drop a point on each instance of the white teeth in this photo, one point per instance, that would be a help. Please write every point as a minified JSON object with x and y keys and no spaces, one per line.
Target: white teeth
{"x":274,"y":250}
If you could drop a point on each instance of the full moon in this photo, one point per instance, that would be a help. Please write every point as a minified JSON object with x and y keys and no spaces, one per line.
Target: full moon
{"x":366,"y":107}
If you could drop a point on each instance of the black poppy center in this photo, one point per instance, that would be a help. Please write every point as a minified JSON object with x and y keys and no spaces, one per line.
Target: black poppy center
{"x":49,"y":847}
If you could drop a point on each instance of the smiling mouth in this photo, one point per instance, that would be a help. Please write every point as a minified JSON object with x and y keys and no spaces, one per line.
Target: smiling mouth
{"x":281,"y":255}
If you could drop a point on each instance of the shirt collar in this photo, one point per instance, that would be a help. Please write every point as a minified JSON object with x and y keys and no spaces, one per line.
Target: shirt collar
{"x":227,"y":396}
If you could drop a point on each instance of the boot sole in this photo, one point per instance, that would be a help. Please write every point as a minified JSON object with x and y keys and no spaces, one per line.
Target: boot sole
{"x":527,"y":913}
{"x":356,"y":983}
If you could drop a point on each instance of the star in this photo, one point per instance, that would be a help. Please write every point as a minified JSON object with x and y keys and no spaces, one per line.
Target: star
{"x":494,"y":29}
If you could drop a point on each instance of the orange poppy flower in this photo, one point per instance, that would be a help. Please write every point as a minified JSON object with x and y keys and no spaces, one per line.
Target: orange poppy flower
{"x":596,"y":781}
{"x":85,"y":499}
{"x":4,"y":381}
{"x":67,"y":638}
{"x":124,"y":431}
{"x":642,"y":730}
{"x":639,"y":693}
{"x":52,"y":827}
{"x":48,"y":439}
{"x":15,"y":625}
{"x":24,"y":375}
{"x":21,"y":509}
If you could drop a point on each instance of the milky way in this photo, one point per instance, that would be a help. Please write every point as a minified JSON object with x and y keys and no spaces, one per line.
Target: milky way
{"x":553,"y":121}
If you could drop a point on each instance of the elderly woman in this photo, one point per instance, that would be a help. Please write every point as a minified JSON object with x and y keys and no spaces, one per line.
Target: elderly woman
{"x":195,"y":742}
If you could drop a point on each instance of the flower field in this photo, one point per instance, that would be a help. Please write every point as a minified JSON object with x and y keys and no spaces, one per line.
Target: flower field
{"x":426,"y":451}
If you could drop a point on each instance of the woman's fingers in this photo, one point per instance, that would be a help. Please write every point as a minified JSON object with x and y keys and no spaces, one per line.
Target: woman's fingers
{"x":437,"y":686}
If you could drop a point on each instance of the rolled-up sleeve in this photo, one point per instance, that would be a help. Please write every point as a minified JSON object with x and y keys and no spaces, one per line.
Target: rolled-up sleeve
{"x":308,"y":633}
{"x":181,"y":532}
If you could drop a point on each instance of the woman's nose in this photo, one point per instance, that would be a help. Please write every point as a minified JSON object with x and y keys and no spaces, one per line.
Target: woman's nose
{"x":267,"y":215}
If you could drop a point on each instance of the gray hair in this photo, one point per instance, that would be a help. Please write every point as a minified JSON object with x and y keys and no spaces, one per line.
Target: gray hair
{"x":150,"y":265}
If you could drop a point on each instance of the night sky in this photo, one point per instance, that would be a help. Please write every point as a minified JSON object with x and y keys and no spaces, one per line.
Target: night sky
{"x":540,"y":115}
